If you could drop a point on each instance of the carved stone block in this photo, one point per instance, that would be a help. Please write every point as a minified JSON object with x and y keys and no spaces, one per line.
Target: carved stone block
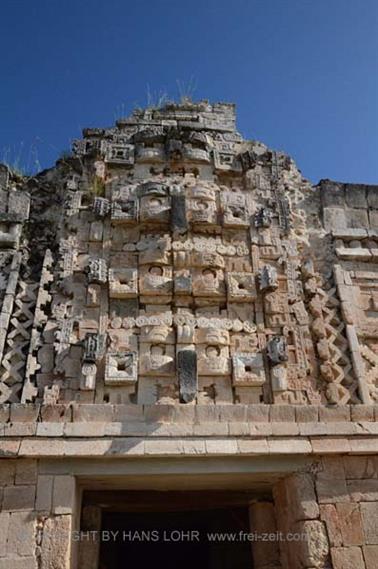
{"x":97,"y":271}
{"x":93,"y":295}
{"x":125,"y":211}
{"x":248,"y":369}
{"x":149,"y":154}
{"x":276,"y":349}
{"x":9,"y":234}
{"x":272,"y":251}
{"x":242,"y":342}
{"x":276,"y":303}
{"x":183,"y":282}
{"x":279,"y":378}
{"x":87,"y":146}
{"x":241,"y":287}
{"x":51,"y":394}
{"x":88,"y":320}
{"x":208,"y":282}
{"x":182,"y":259}
{"x":187,"y":375}
{"x":96,"y":231}
{"x":195,"y":154}
{"x":248,"y":159}
{"x":152,"y":188}
{"x":157,"y":334}
{"x":185,"y":333}
{"x":101,"y":207}
{"x":155,"y":281}
{"x":121,"y":368}
{"x":88,"y":376}
{"x":213,"y":360}
{"x":157,"y":359}
{"x":235,"y":213}
{"x":212,"y":336}
{"x":201,"y":211}
{"x":122,"y":154}
{"x":223,"y":160}
{"x":64,"y":333}
{"x":156,"y":250}
{"x":207,"y":259}
{"x":179,"y":221}
{"x":202,"y":191}
{"x":268,"y":279}
{"x":263,"y":217}
{"x":123,"y":283}
{"x":202,"y":206}
{"x":155,"y":209}
{"x":94,"y":346}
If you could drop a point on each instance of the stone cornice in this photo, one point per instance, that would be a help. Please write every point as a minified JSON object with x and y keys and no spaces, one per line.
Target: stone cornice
{"x":171,"y":430}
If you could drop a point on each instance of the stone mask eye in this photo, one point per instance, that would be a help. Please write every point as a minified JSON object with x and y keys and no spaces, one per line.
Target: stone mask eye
{"x":202,"y":205}
{"x":208,"y":273}
{"x":156,"y":271}
{"x":157,"y":350}
{"x":124,"y":364}
{"x":155,"y":202}
{"x":212,"y":351}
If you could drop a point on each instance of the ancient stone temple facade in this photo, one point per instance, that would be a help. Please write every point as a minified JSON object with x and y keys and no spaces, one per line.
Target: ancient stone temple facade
{"x":184,"y":316}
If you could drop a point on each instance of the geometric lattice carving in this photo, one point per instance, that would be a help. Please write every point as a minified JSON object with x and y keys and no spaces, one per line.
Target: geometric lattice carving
{"x":337,"y":369}
{"x":12,"y":368}
{"x":371,"y":373}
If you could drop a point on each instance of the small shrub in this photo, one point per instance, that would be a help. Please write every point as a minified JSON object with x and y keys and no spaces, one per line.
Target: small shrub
{"x":98,"y":187}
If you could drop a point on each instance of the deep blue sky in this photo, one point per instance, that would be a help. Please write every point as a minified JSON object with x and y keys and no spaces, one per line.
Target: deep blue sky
{"x":303,"y":73}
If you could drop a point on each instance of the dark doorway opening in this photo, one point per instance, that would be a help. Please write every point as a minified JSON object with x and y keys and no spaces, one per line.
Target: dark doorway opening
{"x":171,"y":530}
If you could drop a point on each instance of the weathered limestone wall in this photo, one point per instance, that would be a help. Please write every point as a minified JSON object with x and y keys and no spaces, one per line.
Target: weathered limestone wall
{"x":350,"y":216}
{"x":321,"y":463}
{"x":336,"y":508}
{"x":36,"y":517}
{"x":348,"y":496}
{"x":86,"y":430}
